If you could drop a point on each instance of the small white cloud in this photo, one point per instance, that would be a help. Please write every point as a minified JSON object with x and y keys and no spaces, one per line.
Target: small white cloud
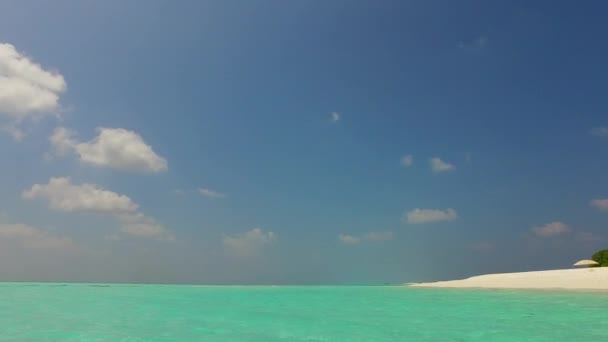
{"x":34,"y":238}
{"x":407,"y":160}
{"x":599,"y":131}
{"x":349,"y":239}
{"x":438,"y":165}
{"x":335,"y":117}
{"x":248,"y":244}
{"x":27,"y":91}
{"x":211,"y":194}
{"x":551,"y":229}
{"x":139,"y":225}
{"x":62,"y":195}
{"x":601,"y":204}
{"x":115,"y":148}
{"x":418,"y":216}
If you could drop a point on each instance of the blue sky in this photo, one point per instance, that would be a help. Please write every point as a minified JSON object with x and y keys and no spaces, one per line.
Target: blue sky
{"x":268,"y":141}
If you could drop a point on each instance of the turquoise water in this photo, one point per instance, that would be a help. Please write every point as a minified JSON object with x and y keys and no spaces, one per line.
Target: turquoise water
{"x":86,"y":312}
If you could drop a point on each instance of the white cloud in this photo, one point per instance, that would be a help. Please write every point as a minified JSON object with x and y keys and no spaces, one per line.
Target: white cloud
{"x":249,"y":243}
{"x":349,"y":239}
{"x":62,"y":195}
{"x":34,"y":238}
{"x":27,"y":91}
{"x":438,"y":165}
{"x":407,"y":160}
{"x":115,"y":148}
{"x":599,"y":131}
{"x":210,"y":193}
{"x":418,"y":216}
{"x":335,"y":117}
{"x":379,"y":236}
{"x":551,"y":229}
{"x":63,"y":140}
{"x":371,"y":236}
{"x":601,"y":204}
{"x":139,"y":225}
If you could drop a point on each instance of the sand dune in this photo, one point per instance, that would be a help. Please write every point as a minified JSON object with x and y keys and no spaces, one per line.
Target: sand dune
{"x":573,"y":279}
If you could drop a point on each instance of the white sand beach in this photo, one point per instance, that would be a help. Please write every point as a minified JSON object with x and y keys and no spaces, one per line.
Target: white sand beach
{"x":595,"y":278}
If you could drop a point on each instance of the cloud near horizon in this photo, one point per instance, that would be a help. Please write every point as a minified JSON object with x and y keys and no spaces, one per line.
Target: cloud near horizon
{"x":420,"y":216}
{"x":371,"y":236}
{"x":114,"y":148}
{"x":33,"y":238}
{"x":551,"y":229}
{"x":27,"y":90}
{"x":63,"y":195}
{"x":138,"y":224}
{"x":249,"y":243}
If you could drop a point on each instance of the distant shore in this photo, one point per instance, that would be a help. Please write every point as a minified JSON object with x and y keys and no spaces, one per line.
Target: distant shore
{"x":595,"y":278}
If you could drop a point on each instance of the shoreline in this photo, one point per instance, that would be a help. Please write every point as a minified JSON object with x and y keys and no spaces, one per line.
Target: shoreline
{"x":595,"y":278}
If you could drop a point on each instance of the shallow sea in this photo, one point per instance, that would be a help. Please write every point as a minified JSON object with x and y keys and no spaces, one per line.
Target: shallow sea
{"x":112,"y":312}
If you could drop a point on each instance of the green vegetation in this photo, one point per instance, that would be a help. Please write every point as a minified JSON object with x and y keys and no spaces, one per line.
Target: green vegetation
{"x":601,"y":257}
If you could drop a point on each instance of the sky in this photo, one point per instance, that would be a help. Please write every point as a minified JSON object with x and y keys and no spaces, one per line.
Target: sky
{"x":309,"y":142}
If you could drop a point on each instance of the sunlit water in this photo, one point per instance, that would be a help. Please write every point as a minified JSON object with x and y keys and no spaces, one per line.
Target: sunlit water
{"x":86,"y":312}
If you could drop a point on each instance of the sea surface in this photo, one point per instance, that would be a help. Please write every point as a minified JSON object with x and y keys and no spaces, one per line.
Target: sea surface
{"x":109,"y":312}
